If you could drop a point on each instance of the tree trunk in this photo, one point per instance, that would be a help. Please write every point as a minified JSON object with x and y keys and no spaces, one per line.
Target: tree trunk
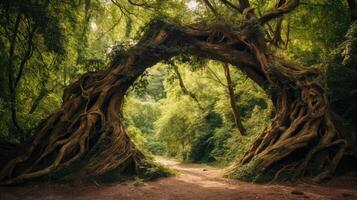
{"x":232,"y":100}
{"x":89,"y":120}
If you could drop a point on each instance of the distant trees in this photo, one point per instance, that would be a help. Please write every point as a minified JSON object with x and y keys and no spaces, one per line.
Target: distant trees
{"x":29,"y":30}
{"x":44,"y":46}
{"x":186,"y":127}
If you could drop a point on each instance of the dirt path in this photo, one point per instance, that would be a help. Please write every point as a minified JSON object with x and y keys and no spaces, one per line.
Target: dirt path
{"x":195,"y":181}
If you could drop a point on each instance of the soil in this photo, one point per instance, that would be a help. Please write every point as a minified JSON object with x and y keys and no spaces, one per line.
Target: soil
{"x":194,"y":181}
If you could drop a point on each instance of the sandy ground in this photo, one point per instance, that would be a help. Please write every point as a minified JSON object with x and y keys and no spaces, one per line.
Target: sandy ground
{"x":195,"y":181}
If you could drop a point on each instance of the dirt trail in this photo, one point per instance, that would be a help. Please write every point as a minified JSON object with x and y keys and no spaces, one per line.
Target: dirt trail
{"x":195,"y":181}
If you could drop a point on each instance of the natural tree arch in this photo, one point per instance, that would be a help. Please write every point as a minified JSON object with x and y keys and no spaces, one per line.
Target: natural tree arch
{"x":89,"y":120}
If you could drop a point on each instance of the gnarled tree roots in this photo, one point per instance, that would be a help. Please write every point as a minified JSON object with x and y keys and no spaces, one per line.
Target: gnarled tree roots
{"x":302,"y":131}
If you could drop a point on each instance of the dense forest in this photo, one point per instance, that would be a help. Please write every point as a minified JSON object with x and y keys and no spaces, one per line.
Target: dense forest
{"x":94,"y":89}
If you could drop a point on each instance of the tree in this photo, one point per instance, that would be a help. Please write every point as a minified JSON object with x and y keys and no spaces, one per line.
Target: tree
{"x":88,"y":123}
{"x":182,"y":84}
{"x":24,"y":26}
{"x":232,"y":100}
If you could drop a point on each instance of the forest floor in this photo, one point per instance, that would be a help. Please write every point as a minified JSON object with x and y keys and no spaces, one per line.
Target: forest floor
{"x":194,"y":181}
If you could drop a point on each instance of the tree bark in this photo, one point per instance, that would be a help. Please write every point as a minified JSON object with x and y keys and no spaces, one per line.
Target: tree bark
{"x":89,"y":121}
{"x":232,"y":100}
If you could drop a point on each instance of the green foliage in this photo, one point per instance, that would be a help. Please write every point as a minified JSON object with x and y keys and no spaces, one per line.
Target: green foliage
{"x":117,"y":50}
{"x":175,"y":125}
{"x":112,"y":176}
{"x":341,"y":73}
{"x":204,"y":144}
{"x":249,"y":174}
{"x":151,"y":171}
{"x":148,"y":170}
{"x":55,"y":43}
{"x":4,"y":118}
{"x":316,"y":27}
{"x":178,"y":129}
{"x":69,"y":173}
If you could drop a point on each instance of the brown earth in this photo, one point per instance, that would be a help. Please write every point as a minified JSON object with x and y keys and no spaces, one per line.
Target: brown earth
{"x":194,"y":181}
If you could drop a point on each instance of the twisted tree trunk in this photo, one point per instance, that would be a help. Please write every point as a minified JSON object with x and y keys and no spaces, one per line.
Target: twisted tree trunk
{"x":89,"y":120}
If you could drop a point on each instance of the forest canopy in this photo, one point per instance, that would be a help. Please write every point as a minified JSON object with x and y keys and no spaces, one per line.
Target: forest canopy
{"x":262,"y":86}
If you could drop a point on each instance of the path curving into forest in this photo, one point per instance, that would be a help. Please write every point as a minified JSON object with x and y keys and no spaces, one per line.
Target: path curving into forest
{"x":194,"y":181}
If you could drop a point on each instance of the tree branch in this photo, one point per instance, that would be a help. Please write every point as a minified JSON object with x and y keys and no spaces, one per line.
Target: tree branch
{"x":243,"y":4}
{"x":285,"y":8}
{"x":144,"y":4}
{"x":10,"y":72}
{"x":231,"y":5}
{"x":210,"y":6}
{"x":111,"y":28}
{"x":122,"y":9}
{"x":26,"y":57}
{"x":216,"y":78}
{"x":182,"y":85}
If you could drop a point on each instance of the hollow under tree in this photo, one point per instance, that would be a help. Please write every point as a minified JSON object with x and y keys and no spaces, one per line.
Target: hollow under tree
{"x":89,"y":121}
